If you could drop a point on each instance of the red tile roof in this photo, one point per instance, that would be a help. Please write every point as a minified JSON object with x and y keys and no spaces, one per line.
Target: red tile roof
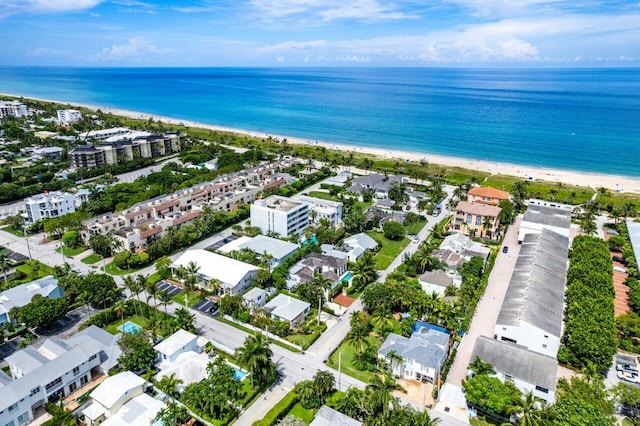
{"x":484,"y":191}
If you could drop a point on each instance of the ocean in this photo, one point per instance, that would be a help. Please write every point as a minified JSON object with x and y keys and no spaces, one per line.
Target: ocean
{"x":585,"y":120}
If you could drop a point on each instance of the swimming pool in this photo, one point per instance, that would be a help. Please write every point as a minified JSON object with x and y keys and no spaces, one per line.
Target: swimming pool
{"x":347,"y":277}
{"x":313,"y":240}
{"x":238,"y":374}
{"x":130,"y":327}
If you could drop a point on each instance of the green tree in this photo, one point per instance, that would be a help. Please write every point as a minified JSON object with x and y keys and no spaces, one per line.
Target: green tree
{"x":255,"y":355}
{"x":172,"y":415}
{"x":527,"y":410}
{"x":137,"y":352}
{"x":4,"y":265}
{"x":169,"y":385}
{"x":582,"y":403}
{"x":382,"y":386}
{"x":42,"y":311}
{"x":364,"y":271}
{"x":393,"y":230}
{"x":309,"y":397}
{"x":478,"y":366}
{"x":490,"y":394}
{"x":183,"y":319}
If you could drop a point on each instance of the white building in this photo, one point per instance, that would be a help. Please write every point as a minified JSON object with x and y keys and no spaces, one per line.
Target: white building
{"x":121,"y":400}
{"x":235,"y":276}
{"x":255,"y":298}
{"x":13,"y":109}
{"x":533,"y":307}
{"x":104,"y":133}
{"x":54,"y":370}
{"x":21,"y":295}
{"x":287,"y":308}
{"x":323,"y":209}
{"x":435,"y":281}
{"x":181,"y":355}
{"x":68,"y":116}
{"x":179,"y":342}
{"x":280,"y":215}
{"x":48,"y":204}
{"x":356,"y":245}
{"x":528,"y":371}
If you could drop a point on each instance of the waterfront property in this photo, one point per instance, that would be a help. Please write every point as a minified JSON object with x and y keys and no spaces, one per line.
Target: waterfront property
{"x":528,"y":371}
{"x":421,"y":356}
{"x":68,"y":116}
{"x":47,"y":205}
{"x":13,"y":109}
{"x":487,"y":195}
{"x":280,"y":215}
{"x":235,"y":277}
{"x":21,"y":295}
{"x":540,"y":216}
{"x":476,"y":219}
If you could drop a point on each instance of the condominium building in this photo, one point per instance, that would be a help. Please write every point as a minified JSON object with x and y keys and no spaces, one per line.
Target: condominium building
{"x":48,"y":204}
{"x":323,"y":209}
{"x":13,"y":109}
{"x":104,"y":133}
{"x":476,"y":219}
{"x":68,"y":116}
{"x":280,"y":215}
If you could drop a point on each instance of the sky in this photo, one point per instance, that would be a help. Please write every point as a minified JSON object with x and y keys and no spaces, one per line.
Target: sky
{"x":295,"y":33}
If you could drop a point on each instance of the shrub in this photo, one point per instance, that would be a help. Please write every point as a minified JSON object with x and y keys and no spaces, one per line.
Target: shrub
{"x":121,"y":260}
{"x":393,"y":230}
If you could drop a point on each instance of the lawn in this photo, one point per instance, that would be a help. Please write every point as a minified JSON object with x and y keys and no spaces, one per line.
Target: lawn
{"x":70,"y":251}
{"x":348,"y":367}
{"x":114,"y":270}
{"x":302,"y":413}
{"x":389,"y":249}
{"x":306,"y":340}
{"x":43,"y":270}
{"x":192,"y":298}
{"x":136,"y":319}
{"x":154,"y":278}
{"x":250,"y":331}
{"x":416,"y":227}
{"x":323,"y":195}
{"x":15,"y":231}
{"x":91,"y":259}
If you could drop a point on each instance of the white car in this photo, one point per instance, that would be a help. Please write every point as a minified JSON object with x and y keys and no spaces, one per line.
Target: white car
{"x":416,"y":239}
{"x":627,"y":376}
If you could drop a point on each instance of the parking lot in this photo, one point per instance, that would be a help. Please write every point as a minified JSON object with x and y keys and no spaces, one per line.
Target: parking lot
{"x":624,"y":370}
{"x":207,"y":307}
{"x":220,"y":243}
{"x":168,"y":287}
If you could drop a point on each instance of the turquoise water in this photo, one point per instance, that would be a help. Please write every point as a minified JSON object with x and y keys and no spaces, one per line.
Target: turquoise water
{"x":313,"y":239}
{"x":239,"y":374}
{"x":578,"y":119}
{"x":347,"y":277}
{"x":130,"y":327}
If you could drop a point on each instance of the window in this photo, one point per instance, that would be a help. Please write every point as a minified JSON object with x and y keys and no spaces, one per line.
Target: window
{"x":541,"y":389}
{"x":469,"y":218}
{"x":23,"y":418}
{"x":84,"y":380}
{"x":546,"y":337}
{"x":478,"y":220}
{"x":544,"y":346}
{"x":34,"y":391}
{"x":76,"y":370}
{"x":13,"y":407}
{"x":11,"y":423}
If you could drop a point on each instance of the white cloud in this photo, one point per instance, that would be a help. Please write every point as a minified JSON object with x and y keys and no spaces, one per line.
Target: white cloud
{"x":352,"y":58}
{"x":134,"y":48}
{"x":45,"y":6}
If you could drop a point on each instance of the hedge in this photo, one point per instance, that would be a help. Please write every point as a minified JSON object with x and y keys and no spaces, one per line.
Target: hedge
{"x":280,"y":410}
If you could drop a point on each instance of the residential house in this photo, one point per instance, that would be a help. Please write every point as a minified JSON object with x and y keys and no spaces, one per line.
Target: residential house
{"x":121,"y":400}
{"x":43,"y":375}
{"x":435,"y":281}
{"x":423,"y":353}
{"x":340,"y":179}
{"x":457,"y":249}
{"x":277,"y":251}
{"x":331,"y":268}
{"x":381,"y":189}
{"x":385,"y":203}
{"x":476,"y":219}
{"x":287,"y":308}
{"x":235,"y":277}
{"x":179,"y":342}
{"x":323,"y":209}
{"x":181,"y":355}
{"x":107,"y":344}
{"x":329,"y":417}
{"x":539,"y":217}
{"x":280,"y":215}
{"x":528,"y":371}
{"x":21,"y":295}
{"x":533,"y":309}
{"x":47,"y":205}
{"x":357,"y":245}
{"x":255,"y":298}
{"x":365,"y":183}
{"x":487,"y":195}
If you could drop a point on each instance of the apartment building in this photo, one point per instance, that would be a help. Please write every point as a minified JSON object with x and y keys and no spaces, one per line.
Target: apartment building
{"x":476,"y":219}
{"x":280,"y":215}
{"x":13,"y":109}
{"x":48,"y":204}
{"x":323,"y":209}
{"x":68,"y":116}
{"x":147,"y":221}
{"x":123,"y":147}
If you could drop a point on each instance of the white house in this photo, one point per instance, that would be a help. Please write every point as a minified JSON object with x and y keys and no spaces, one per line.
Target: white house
{"x":120,"y":400}
{"x":48,"y":204}
{"x":235,"y":276}
{"x":323,"y":209}
{"x":540,"y":216}
{"x":329,"y":417}
{"x":21,"y":295}
{"x":287,"y":308}
{"x":423,"y":354}
{"x":435,"y":281}
{"x":255,"y":298}
{"x":179,"y":342}
{"x":280,"y":215}
{"x":528,"y":371}
{"x":68,"y":116}
{"x":533,"y":307}
{"x":356,"y":245}
{"x":38,"y":376}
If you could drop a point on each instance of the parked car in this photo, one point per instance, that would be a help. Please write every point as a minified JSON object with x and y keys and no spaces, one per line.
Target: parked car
{"x":505,"y":249}
{"x":627,"y":376}
{"x":416,"y":239}
{"x":617,"y":259}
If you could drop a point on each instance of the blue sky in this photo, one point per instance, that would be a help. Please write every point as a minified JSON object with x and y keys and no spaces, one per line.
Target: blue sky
{"x":320,"y":33}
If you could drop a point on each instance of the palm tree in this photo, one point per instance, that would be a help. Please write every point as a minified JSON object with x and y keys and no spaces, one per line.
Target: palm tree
{"x":382,"y":386}
{"x":527,"y":410}
{"x":394,"y":361}
{"x":4,"y":265}
{"x":365,"y":269}
{"x":478,"y":367}
{"x":325,"y":383}
{"x":486,"y":226}
{"x":602,"y":192}
{"x":184,"y":319}
{"x":382,"y":319}
{"x":152,"y":292}
{"x":169,"y":385}
{"x":325,"y":285}
{"x":255,"y":355}
{"x":132,"y":285}
{"x":120,"y":308}
{"x":165,"y":299}
{"x":214,"y":285}
{"x":358,"y":337}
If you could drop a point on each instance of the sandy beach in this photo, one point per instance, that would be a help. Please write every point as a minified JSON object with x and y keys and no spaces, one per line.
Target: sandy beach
{"x":612,"y":182}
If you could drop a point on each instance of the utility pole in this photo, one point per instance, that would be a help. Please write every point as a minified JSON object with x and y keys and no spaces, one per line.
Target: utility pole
{"x":339,"y":369}
{"x":64,"y":261}
{"x":27,"y":239}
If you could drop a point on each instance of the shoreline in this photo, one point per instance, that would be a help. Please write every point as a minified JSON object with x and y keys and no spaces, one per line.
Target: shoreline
{"x":612,"y":182}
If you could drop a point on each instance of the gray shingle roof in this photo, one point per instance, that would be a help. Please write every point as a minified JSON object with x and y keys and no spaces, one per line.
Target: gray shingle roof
{"x":427,"y":347}
{"x":95,"y":337}
{"x":362,"y":240}
{"x":536,"y":290}
{"x":517,"y":361}
{"x":437,"y":277}
{"x":369,"y":180}
{"x":286,"y":307}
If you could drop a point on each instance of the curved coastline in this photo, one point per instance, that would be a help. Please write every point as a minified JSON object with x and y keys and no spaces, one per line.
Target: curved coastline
{"x":594,"y":180}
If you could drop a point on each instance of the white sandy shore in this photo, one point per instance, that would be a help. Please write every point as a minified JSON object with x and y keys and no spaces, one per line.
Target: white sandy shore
{"x":614,"y":183}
